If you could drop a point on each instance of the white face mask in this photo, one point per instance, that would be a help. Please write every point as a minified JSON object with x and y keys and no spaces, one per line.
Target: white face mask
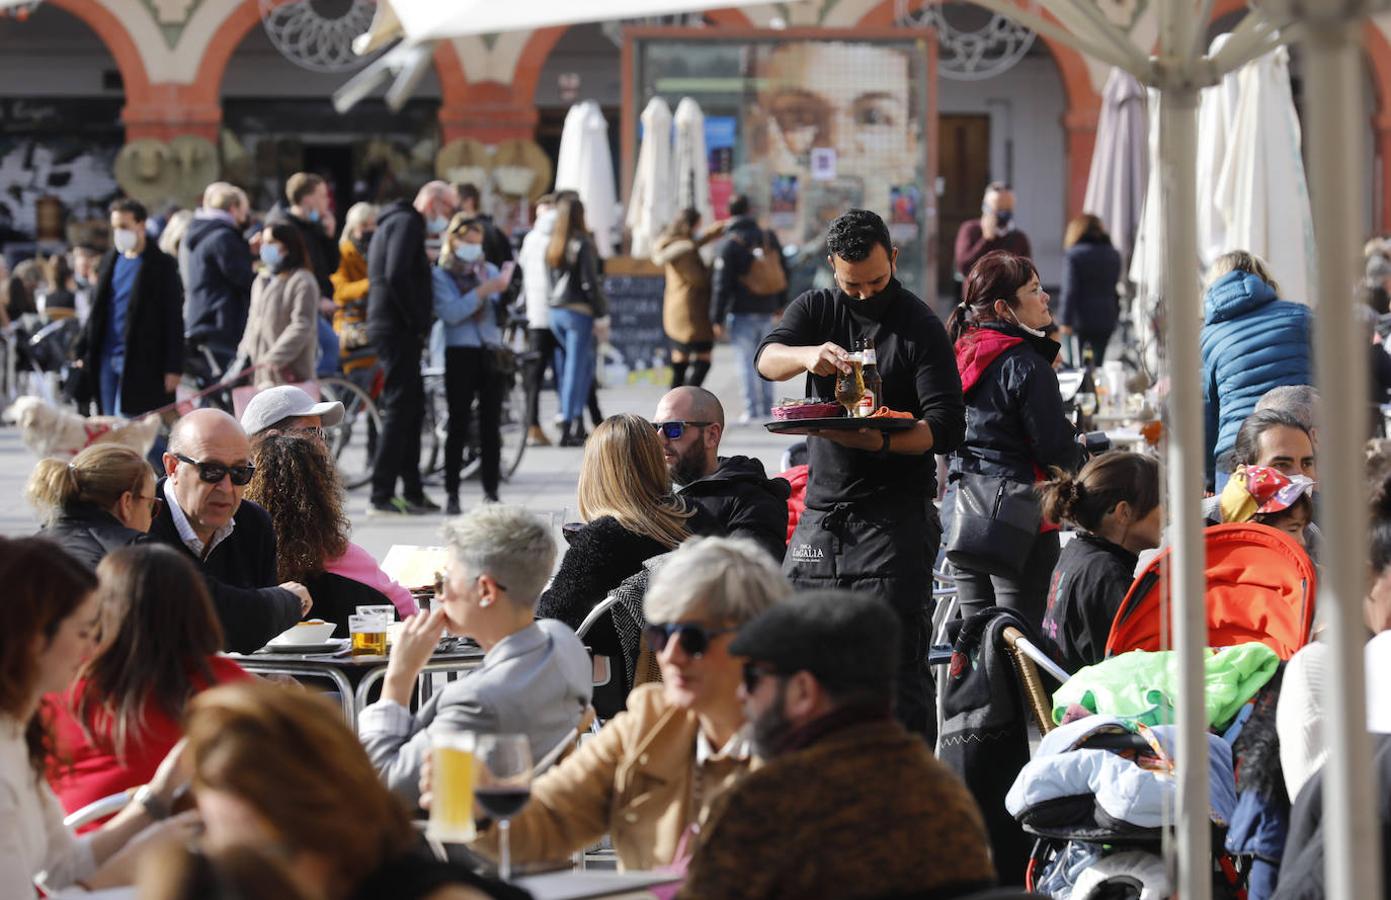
{"x":1014,"y":320}
{"x":125,"y":240}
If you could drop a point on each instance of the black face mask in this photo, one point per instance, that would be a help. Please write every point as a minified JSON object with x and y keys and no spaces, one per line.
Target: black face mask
{"x":362,"y":243}
{"x":875,"y":306}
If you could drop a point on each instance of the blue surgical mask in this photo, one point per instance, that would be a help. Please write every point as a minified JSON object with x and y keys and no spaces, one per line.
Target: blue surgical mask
{"x":437,"y":224}
{"x":270,"y":254}
{"x":469,"y":253}
{"x":315,"y":215}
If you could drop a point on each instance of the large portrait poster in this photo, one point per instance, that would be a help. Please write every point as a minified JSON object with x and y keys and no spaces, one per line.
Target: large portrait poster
{"x":824,"y":124}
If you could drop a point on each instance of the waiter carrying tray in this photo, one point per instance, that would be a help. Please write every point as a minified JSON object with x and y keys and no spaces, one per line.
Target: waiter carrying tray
{"x":869,"y":523}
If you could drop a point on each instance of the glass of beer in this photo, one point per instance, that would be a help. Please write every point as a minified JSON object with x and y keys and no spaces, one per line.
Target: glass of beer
{"x":850,"y":386}
{"x":455,"y":771}
{"x":369,"y":635}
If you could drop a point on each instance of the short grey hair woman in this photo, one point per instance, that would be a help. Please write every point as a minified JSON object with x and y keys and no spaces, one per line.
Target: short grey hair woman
{"x":650,"y":776}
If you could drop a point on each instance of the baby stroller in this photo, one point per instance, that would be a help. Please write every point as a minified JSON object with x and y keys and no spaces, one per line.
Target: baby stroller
{"x":1261,"y":588}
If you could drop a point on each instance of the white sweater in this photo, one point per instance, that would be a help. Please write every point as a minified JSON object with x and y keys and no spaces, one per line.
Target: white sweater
{"x":536,"y":276}
{"x":34,"y":843}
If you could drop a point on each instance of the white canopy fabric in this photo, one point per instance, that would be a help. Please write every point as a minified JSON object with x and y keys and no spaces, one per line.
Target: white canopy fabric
{"x":1120,"y":162}
{"x":1216,"y":116}
{"x":435,"y":19}
{"x":1261,"y":189}
{"x":586,"y":167}
{"x":652,"y":204}
{"x":692,"y":161}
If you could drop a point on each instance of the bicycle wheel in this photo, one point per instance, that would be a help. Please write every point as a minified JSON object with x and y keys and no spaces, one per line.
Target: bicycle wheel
{"x":434,"y":425}
{"x":354,"y":442}
{"x":513,"y":427}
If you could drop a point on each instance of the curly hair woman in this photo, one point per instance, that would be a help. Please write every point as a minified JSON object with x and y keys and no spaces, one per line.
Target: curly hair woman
{"x":297,"y":483}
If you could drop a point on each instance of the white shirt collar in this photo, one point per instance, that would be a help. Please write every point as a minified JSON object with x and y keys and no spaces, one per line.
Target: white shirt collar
{"x":185,"y":529}
{"x":738,"y":747}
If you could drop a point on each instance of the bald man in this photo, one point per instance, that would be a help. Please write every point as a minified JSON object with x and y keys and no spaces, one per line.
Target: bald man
{"x":207,"y":466}
{"x":735,"y":490}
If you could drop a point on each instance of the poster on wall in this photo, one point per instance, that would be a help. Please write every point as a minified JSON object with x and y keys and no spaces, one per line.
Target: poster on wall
{"x":720,"y":132}
{"x":822,"y":124}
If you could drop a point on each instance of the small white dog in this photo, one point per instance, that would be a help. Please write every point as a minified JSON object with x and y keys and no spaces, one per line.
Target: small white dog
{"x":53,"y":431}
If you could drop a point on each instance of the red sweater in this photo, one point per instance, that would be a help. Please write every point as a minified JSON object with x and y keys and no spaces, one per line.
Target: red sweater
{"x":89,"y":771}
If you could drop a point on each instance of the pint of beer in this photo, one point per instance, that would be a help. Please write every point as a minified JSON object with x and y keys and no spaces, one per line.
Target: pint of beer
{"x":455,"y":771}
{"x":369,"y":634}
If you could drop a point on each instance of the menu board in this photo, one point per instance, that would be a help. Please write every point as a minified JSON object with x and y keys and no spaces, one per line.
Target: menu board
{"x":635,"y":310}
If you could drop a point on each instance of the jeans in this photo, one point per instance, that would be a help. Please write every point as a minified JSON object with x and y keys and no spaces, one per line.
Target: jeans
{"x":746,"y":332}
{"x":402,"y":406}
{"x":467,"y":374}
{"x":328,"y":349}
{"x":109,"y":387}
{"x":1025,"y":593}
{"x":542,"y":343}
{"x":575,"y":333}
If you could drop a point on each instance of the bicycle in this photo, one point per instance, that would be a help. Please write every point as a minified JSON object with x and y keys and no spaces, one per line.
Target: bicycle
{"x":512,"y":422}
{"x":353,"y":442}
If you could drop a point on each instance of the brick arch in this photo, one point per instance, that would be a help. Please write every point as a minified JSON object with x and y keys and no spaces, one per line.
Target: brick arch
{"x":1080,"y":117}
{"x":118,"y":41}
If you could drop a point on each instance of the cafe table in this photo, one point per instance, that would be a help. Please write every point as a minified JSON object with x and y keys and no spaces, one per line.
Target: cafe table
{"x":592,"y":884}
{"x":354,"y":678}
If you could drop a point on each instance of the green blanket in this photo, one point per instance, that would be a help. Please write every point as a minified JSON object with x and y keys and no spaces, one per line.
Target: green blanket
{"x":1142,"y":685}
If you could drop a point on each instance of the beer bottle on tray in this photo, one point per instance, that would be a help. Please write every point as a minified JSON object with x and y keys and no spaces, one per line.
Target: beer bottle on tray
{"x":874,"y":384}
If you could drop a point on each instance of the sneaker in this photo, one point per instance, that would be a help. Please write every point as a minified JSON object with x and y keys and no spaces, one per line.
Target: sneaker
{"x":536,"y":437}
{"x":451,"y":506}
{"x":421,"y":504}
{"x":393,"y":507}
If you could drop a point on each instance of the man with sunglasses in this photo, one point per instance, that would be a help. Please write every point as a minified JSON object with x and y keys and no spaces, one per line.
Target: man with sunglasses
{"x":734,"y":490}
{"x":207,"y":467}
{"x":818,"y":684}
{"x":869,"y":523}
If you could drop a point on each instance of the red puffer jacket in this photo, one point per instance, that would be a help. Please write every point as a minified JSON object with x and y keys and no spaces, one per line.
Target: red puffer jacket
{"x":797,"y":500}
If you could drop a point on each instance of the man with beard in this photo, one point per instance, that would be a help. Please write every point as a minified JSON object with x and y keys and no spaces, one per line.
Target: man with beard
{"x":869,"y":524}
{"x":735,"y":490}
{"x":818,"y":682}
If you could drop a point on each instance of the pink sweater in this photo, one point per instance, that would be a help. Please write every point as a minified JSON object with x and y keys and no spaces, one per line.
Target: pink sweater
{"x":359,"y":565}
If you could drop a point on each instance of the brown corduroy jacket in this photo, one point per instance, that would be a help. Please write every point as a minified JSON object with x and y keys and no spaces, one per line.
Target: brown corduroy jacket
{"x":866,"y":811}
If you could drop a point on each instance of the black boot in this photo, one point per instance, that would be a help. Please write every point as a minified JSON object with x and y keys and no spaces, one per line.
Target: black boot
{"x":678,"y":374}
{"x":573,"y":434}
{"x":451,"y":504}
{"x":699,"y":369}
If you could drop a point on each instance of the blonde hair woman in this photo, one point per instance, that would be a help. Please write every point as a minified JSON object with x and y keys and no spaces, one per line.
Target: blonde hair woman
{"x":630,"y":515}
{"x":577,"y":299}
{"x":102,"y":500}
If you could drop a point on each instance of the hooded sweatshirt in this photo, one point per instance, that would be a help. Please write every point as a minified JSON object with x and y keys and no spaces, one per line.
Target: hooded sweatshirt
{"x":745,"y":501}
{"x":219,"y":281}
{"x":1251,"y":342}
{"x":536,"y":276}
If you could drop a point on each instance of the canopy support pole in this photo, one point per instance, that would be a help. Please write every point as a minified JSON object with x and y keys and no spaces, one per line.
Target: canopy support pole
{"x":1333,"y":68}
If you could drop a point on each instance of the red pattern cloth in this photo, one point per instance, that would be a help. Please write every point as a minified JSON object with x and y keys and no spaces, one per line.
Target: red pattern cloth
{"x":88,"y":771}
{"x":797,"y":500}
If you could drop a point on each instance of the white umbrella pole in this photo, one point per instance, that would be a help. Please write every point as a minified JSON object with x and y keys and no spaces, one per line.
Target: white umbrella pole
{"x":1333,"y":66}
{"x":1178,"y":141}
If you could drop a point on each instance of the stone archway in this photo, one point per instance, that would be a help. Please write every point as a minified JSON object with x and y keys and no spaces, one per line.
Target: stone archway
{"x":129,"y":62}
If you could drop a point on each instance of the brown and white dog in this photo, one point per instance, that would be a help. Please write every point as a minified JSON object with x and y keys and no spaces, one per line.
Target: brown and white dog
{"x":53,"y":431}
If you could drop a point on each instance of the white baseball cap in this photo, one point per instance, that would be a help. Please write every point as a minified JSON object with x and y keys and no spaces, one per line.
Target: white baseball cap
{"x":283,"y":402}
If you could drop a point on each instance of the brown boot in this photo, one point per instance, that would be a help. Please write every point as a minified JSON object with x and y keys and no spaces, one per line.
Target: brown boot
{"x":535,"y":437}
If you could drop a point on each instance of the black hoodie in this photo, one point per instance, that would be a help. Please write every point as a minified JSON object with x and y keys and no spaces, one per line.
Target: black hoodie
{"x":742,"y":498}
{"x":219,"y":283}
{"x":400,"y":299}
{"x":321,"y":246}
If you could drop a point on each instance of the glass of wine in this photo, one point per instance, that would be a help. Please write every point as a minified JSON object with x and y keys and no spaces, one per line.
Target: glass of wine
{"x":503,"y":785}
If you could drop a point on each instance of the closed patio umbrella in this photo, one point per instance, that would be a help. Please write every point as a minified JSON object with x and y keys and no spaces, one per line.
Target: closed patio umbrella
{"x":652,"y":204}
{"x":586,"y":167}
{"x":1120,"y":162}
{"x":692,"y":162}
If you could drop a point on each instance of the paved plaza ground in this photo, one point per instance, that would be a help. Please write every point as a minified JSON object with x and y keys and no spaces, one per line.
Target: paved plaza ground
{"x":544,"y":483}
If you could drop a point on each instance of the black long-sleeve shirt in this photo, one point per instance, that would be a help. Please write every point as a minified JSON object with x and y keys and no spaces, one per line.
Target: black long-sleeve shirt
{"x":918,"y":367}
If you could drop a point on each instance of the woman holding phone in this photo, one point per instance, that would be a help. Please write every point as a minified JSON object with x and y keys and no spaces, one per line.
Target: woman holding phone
{"x":466,"y":296}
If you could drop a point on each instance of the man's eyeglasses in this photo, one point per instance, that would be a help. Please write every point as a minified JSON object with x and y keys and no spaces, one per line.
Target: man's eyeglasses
{"x":214,"y":472}
{"x":753,"y":674}
{"x":673,"y":430}
{"x":694,"y":640}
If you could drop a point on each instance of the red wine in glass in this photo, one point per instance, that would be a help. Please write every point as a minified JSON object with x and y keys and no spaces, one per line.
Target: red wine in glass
{"x":502,"y":801}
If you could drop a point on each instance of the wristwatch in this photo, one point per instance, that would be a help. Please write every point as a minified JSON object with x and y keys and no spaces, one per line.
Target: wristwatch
{"x":157,"y":808}
{"x":883,"y":451}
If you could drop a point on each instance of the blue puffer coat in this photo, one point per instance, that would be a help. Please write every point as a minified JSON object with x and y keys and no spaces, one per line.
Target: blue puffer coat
{"x":1251,"y":342}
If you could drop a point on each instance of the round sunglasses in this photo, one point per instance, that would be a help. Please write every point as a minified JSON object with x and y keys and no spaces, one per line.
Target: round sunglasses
{"x":694,"y":640}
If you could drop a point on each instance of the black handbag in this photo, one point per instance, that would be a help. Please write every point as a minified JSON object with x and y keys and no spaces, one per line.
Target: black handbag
{"x":994,"y":524}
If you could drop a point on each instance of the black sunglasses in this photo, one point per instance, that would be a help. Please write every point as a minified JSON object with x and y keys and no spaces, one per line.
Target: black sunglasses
{"x":753,"y":674}
{"x":214,"y":472}
{"x":673,"y":430}
{"x":693,"y":639}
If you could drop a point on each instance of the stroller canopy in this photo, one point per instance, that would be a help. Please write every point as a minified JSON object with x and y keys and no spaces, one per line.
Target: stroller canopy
{"x":1260,"y":587}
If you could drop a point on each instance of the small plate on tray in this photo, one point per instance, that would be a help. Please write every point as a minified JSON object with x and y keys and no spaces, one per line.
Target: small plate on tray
{"x":838,"y":423}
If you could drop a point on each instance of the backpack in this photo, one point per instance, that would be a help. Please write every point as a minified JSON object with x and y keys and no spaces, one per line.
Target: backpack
{"x":765,"y":275}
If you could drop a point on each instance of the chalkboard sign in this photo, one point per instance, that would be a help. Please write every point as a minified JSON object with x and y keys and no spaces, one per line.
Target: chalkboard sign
{"x":635,"y":310}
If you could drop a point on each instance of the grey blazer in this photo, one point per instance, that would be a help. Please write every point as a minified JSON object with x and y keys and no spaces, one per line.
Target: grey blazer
{"x":536,"y":682}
